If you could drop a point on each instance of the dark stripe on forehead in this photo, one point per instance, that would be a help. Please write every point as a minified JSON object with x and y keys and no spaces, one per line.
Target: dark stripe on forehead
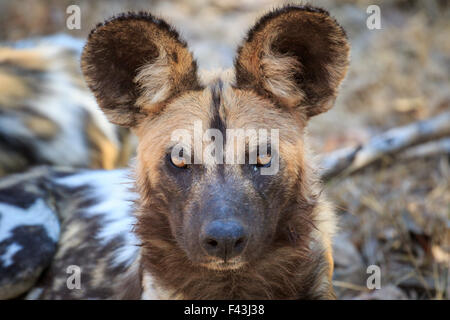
{"x":216,"y":121}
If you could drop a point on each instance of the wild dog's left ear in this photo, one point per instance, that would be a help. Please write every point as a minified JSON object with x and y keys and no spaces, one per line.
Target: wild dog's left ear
{"x":134,"y":63}
{"x":297,"y":55}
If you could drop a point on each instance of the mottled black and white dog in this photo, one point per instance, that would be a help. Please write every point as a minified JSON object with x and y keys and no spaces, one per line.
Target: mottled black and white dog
{"x":47,"y":117}
{"x":47,"y":114}
{"x":85,"y":214}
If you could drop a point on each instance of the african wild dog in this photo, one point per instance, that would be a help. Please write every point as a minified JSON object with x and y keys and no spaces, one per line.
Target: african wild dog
{"x":47,"y":114}
{"x":205,"y":231}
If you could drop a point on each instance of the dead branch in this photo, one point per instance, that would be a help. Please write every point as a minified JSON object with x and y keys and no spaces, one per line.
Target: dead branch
{"x":348,"y":160}
{"x":429,"y":149}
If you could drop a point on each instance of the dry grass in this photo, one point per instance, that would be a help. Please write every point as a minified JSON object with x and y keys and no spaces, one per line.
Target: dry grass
{"x":396,"y":216}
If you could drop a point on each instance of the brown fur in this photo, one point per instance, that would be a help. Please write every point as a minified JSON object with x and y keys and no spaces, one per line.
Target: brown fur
{"x":287,"y":70}
{"x":123,"y":49}
{"x":106,"y":153}
{"x":42,"y":127}
{"x":298,"y":55}
{"x":14,"y":87}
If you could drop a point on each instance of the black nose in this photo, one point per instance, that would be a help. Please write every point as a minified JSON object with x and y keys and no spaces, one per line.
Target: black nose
{"x":224,"y":239}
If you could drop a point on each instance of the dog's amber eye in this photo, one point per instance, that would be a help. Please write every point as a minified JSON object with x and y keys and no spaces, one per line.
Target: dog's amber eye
{"x":178,"y":161}
{"x":264,"y":160}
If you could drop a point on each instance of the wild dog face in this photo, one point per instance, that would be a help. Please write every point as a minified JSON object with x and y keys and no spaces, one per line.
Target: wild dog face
{"x":214,"y":215}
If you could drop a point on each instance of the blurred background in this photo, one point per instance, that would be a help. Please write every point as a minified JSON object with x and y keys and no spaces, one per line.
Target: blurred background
{"x":395,"y":213}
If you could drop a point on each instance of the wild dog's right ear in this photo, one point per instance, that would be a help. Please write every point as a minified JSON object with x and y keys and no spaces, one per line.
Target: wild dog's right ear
{"x":297,"y":56}
{"x":134,"y":63}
